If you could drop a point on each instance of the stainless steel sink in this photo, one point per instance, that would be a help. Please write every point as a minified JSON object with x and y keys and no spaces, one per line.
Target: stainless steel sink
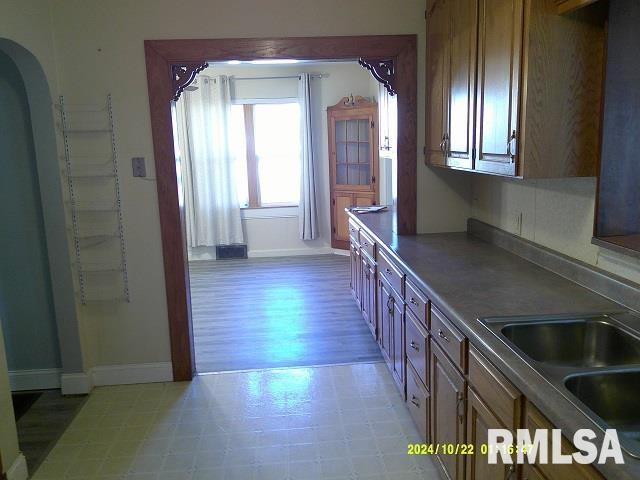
{"x":593,"y":342}
{"x":613,"y":397}
{"x":592,"y":360}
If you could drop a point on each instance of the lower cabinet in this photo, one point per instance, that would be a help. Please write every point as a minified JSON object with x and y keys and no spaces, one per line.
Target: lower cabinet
{"x":492,"y":402}
{"x":368,"y":291}
{"x":418,"y":402}
{"x":447,"y":410}
{"x":479,"y":420}
{"x":391,"y":331}
{"x":534,"y":419}
{"x":355,"y":270}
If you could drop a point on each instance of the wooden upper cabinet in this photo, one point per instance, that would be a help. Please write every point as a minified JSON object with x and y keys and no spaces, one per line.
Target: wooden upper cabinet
{"x":513,"y":88}
{"x":437,"y":81}
{"x":500,"y":50}
{"x":451,"y":72}
{"x":462,"y":76}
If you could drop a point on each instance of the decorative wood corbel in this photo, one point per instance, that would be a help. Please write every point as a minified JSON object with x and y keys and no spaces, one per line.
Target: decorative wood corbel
{"x":382,"y":70}
{"x":183,"y":75}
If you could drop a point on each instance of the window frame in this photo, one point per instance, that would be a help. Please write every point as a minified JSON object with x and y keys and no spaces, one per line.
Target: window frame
{"x":253,"y":177}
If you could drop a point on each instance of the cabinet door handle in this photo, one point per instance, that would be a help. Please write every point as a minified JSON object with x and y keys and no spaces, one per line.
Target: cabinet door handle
{"x":412,"y":300}
{"x":415,"y":401}
{"x":388,"y":271}
{"x":415,"y":346}
{"x":443,"y":336}
{"x":511,"y":146}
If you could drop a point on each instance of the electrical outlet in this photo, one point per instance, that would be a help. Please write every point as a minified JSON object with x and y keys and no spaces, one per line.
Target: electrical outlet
{"x":138,"y":166}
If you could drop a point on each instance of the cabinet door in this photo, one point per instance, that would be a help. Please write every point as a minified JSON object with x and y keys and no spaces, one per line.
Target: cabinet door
{"x":355,"y":267}
{"x":368,"y":300}
{"x":385,"y":312}
{"x":355,"y":150}
{"x":437,"y":80}
{"x":365,"y":277}
{"x":479,"y":420}
{"x":340,"y":219}
{"x":462,"y":73}
{"x":399,"y":359}
{"x":447,"y":410}
{"x":500,"y":26}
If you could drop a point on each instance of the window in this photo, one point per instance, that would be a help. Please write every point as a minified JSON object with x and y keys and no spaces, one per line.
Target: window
{"x":266,"y":153}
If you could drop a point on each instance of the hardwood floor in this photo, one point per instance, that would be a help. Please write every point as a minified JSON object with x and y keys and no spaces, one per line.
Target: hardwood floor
{"x":40,"y":427}
{"x":276,"y":312}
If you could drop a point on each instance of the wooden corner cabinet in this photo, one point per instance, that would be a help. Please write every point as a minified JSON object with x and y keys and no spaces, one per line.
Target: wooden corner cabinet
{"x":513,"y":88}
{"x":353,"y":161}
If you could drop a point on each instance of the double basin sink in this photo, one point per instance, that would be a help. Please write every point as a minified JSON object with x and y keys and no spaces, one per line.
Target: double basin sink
{"x":594,"y":361}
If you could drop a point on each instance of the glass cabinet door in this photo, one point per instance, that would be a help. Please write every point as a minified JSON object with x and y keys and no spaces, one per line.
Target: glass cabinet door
{"x":353,"y":151}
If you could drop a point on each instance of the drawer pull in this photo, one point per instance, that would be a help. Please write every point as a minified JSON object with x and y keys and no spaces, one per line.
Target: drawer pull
{"x":415,"y":401}
{"x":388,"y":271}
{"x":413,"y":300}
{"x":443,"y":336}
{"x":364,"y":244}
{"x":415,"y":346}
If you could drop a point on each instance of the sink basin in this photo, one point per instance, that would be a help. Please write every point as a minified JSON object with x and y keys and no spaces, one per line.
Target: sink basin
{"x":576,"y":343}
{"x":612,"y":396}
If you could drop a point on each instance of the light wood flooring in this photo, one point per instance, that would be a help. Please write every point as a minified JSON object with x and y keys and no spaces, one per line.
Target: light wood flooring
{"x":276,"y":312}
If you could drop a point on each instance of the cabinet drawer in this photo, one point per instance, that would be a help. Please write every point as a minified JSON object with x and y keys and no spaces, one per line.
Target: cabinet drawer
{"x":452,"y":341}
{"x":391,"y":273}
{"x":367,"y":244}
{"x":417,"y":302}
{"x":495,"y":390}
{"x":354,"y":231}
{"x":417,"y":347}
{"x":418,"y":403}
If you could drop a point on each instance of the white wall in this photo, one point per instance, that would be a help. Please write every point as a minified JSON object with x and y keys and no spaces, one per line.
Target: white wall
{"x":99,"y":46}
{"x":274,"y":231}
{"x":556,"y":213}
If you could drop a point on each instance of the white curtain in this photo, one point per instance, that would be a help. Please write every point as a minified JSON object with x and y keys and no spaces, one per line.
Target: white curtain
{"x":211,"y":204}
{"x":308,"y":215}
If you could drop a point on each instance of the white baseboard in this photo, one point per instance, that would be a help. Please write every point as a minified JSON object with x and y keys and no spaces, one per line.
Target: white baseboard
{"x":40,"y":379}
{"x":76,"y":383}
{"x":18,"y":470}
{"x":339,"y":251}
{"x":133,"y":373}
{"x":289,"y":252}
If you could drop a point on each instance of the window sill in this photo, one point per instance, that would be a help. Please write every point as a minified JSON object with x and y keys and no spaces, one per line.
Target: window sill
{"x":279,"y":211}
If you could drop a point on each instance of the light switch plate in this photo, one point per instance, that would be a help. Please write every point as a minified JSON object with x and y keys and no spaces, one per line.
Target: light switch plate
{"x":138,"y":166}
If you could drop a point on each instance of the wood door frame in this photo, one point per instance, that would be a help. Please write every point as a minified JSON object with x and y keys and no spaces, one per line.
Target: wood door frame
{"x":164,"y":56}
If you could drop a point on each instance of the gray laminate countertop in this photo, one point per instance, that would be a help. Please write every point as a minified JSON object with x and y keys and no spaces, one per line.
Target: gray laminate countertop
{"x":468,"y":278}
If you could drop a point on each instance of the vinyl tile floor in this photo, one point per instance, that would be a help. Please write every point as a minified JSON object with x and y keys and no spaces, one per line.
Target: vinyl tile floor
{"x":333,"y":422}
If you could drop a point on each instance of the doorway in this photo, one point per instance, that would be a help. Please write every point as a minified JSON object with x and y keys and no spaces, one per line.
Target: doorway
{"x":28,"y":317}
{"x":249,"y":134}
{"x":171,"y":67}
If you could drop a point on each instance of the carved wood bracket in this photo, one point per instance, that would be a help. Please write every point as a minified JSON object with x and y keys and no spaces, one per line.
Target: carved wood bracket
{"x":183,"y":74}
{"x":382,"y":70}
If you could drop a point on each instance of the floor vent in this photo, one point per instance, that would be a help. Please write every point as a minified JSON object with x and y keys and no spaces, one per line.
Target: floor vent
{"x":226,"y":252}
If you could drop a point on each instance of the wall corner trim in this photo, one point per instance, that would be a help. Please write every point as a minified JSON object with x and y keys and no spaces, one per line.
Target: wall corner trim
{"x":18,"y":469}
{"x":76,"y":383}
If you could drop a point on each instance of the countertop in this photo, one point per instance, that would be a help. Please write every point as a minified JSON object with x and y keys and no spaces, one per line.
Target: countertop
{"x":468,"y":278}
